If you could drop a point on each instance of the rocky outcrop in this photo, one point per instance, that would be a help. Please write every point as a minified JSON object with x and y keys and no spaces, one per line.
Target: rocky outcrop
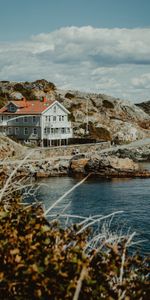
{"x":9,"y":148}
{"x":102,"y":164}
{"x":78,"y":166}
{"x":107,"y":167}
{"x":108,"y":118}
{"x":37,"y":169}
{"x":110,"y":164}
{"x":29,"y":90}
{"x":137,"y":154}
{"x":144,"y":106}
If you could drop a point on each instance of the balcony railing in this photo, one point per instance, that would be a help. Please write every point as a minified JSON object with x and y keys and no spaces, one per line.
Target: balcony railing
{"x":3,"y":123}
{"x":57,"y":136}
{"x":57,"y":124}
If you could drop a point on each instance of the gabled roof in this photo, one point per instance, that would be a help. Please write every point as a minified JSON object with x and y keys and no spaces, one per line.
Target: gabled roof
{"x":27,"y":107}
{"x":60,"y":105}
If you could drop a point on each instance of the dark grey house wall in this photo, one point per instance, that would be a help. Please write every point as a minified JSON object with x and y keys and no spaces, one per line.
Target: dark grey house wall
{"x":17,"y":124}
{"x":24,"y":132}
{"x":23,"y":121}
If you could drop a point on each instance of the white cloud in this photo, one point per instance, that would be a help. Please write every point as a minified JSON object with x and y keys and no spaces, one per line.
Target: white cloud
{"x":113,"y":61}
{"x":142,"y":82}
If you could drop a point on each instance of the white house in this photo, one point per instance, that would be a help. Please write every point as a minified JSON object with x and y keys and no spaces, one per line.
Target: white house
{"x":40,"y":121}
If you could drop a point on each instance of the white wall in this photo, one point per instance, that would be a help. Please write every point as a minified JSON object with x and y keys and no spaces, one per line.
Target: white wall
{"x":55,"y":120}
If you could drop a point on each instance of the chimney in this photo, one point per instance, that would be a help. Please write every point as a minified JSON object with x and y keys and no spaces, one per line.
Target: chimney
{"x":24,"y":102}
{"x":43,"y":99}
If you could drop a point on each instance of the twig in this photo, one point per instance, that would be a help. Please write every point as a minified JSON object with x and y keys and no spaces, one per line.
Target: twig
{"x":64,"y":195}
{"x":97,"y":220}
{"x":123,"y":256}
{"x":12,"y":174}
{"x":79,"y":283}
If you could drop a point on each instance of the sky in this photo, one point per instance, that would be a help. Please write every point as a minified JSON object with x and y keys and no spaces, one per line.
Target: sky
{"x":100,"y":46}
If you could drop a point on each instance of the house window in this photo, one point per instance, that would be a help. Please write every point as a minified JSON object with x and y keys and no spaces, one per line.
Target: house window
{"x":52,"y":130}
{"x":63,"y":130}
{"x":68,"y":129}
{"x":26,"y":130}
{"x":25,"y":119}
{"x":62,"y":118}
{"x":59,"y":118}
{"x":54,"y":109}
{"x":34,"y":130}
{"x":46,"y":118}
{"x":54,"y":118}
{"x":48,"y":130}
{"x":9,"y":130}
{"x":49,"y":118}
{"x":12,"y":107}
{"x":55,"y":130}
{"x":45,"y":131}
{"x":34,"y":119}
{"x":16,"y":130}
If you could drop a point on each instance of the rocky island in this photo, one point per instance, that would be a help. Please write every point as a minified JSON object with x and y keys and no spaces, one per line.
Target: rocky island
{"x":102,"y":120}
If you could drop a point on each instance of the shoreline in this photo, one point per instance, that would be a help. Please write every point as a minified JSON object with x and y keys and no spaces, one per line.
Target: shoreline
{"x":98,"y":166}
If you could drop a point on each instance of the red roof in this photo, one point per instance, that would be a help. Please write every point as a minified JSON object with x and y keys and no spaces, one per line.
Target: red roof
{"x":27,"y":107}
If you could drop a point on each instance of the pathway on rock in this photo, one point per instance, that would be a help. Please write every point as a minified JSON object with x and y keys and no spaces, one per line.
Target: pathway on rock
{"x":134,"y":144}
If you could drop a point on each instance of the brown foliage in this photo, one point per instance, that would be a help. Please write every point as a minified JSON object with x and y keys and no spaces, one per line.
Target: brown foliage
{"x":39,"y":260}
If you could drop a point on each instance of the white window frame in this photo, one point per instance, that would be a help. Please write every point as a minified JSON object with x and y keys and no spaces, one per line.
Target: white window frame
{"x":56,"y":130}
{"x":54,"y":118}
{"x":63,"y":130}
{"x":26,"y":131}
{"x":35,"y":131}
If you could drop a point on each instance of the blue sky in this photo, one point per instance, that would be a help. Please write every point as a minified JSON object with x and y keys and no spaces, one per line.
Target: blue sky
{"x":20,"y":19}
{"x":94,"y":45}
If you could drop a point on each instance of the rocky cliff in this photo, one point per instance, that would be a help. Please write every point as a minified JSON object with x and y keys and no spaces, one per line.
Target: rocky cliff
{"x":9,"y":148}
{"x":95,"y":116}
{"x":145,"y":106}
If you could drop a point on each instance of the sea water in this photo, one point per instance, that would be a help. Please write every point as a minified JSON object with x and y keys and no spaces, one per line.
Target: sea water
{"x":102,"y":197}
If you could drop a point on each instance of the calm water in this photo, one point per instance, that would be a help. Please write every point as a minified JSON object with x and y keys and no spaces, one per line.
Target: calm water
{"x":97,"y":196}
